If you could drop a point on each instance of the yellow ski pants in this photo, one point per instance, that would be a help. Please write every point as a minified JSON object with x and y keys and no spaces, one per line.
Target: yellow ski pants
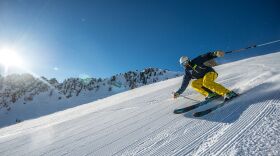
{"x":208,"y":82}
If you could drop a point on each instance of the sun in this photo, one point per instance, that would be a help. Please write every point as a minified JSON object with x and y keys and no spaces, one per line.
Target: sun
{"x":9,"y":57}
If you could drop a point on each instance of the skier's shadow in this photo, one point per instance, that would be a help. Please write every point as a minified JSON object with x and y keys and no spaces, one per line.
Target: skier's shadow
{"x":233,"y":110}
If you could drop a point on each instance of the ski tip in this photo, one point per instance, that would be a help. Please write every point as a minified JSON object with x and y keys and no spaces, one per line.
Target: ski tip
{"x":177,"y":112}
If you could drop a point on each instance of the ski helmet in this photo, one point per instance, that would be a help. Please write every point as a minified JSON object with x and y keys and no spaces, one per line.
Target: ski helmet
{"x":183,"y":60}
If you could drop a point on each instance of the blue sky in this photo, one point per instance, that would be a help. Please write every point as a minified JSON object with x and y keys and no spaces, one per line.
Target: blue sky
{"x":99,"y":38}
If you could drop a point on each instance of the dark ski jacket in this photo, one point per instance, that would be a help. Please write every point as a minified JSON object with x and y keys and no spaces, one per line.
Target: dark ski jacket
{"x":196,"y":69}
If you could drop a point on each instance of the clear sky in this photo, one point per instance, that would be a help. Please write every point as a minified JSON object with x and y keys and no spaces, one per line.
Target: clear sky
{"x":99,"y":38}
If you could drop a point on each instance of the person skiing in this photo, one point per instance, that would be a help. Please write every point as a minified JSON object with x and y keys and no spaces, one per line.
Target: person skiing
{"x":204,"y":76}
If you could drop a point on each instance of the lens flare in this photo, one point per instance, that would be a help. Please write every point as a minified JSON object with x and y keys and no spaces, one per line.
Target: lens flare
{"x":9,"y":57}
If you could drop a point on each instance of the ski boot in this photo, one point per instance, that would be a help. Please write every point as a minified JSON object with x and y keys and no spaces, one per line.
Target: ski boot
{"x":212,"y":96}
{"x":230,"y":95}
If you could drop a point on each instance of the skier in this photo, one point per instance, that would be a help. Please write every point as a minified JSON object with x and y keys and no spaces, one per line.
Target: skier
{"x":205,"y":77}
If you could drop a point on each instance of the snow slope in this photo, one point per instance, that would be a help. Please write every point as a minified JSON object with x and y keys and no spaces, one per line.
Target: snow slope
{"x":141,"y":122}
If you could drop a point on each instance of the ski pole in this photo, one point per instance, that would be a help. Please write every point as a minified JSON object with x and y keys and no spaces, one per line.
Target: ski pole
{"x":187,"y":98}
{"x":253,"y":46}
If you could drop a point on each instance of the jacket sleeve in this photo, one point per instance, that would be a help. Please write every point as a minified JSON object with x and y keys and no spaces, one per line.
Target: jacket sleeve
{"x":205,"y":57}
{"x":185,"y":83}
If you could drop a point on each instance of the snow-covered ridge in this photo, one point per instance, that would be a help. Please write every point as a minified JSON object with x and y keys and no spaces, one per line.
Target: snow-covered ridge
{"x":21,"y":92}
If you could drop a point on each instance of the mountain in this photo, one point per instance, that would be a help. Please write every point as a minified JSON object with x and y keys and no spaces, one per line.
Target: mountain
{"x":24,"y":97}
{"x":141,"y":121}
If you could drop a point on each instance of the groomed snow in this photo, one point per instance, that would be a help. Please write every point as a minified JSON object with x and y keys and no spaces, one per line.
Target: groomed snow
{"x":141,"y":122}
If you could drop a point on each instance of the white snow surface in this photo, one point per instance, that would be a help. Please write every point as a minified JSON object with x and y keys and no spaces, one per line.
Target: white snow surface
{"x":141,"y":121}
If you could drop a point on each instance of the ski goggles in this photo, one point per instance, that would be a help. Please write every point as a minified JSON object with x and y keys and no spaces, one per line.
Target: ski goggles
{"x":184,"y":63}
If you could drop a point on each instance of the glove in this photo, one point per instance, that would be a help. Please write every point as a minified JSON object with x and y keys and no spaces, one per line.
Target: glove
{"x":219,"y":53}
{"x":176,"y":95}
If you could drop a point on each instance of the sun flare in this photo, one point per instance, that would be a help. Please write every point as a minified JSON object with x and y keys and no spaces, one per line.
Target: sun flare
{"x":9,"y":57}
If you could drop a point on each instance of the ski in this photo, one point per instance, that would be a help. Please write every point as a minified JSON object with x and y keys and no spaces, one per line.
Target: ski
{"x":209,"y":110}
{"x":189,"y":108}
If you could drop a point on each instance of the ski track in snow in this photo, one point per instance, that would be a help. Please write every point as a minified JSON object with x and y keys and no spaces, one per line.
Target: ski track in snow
{"x":146,"y":125}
